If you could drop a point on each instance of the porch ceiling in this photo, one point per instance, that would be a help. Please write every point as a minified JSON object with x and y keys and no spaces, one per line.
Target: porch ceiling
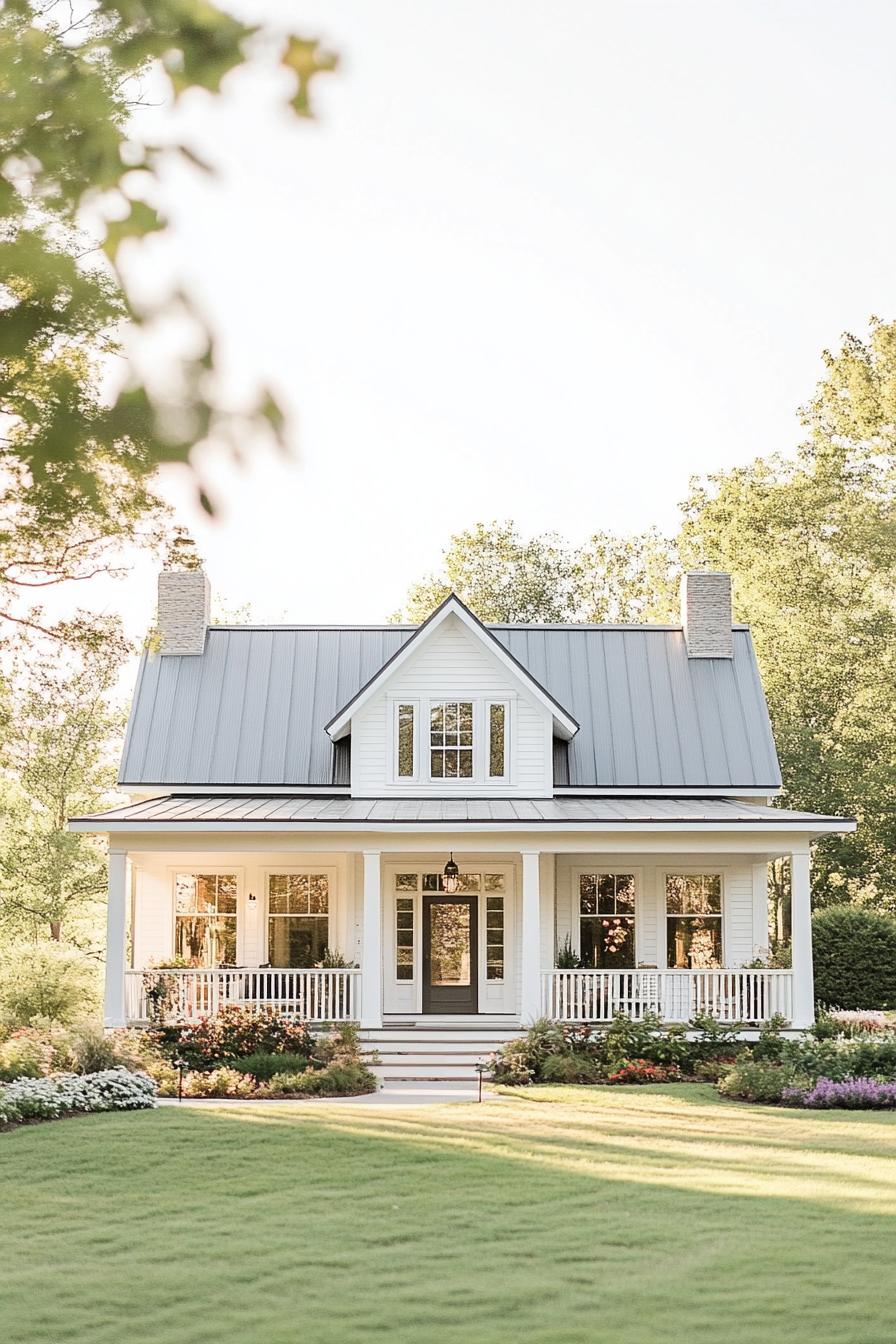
{"x":304,"y":811}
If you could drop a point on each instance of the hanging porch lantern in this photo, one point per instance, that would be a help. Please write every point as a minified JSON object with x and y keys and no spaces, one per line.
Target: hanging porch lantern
{"x":450,"y":876}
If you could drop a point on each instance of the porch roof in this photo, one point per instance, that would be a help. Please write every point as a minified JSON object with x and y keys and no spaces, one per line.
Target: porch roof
{"x":321,"y":811}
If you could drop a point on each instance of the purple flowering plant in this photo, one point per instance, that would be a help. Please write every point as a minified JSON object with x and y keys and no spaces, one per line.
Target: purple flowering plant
{"x":857,"y":1094}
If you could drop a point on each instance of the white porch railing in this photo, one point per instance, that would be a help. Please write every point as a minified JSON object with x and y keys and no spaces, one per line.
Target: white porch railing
{"x":675,"y":996}
{"x":185,"y":995}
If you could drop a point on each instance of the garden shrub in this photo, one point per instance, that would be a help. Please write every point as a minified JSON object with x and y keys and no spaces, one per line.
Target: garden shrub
{"x":846,"y":1022}
{"x":336,"y":1080}
{"x":233,"y":1034}
{"x":223,"y":1082}
{"x":574,"y":1067}
{"x":550,"y":1052}
{"x":25,"y":1055}
{"x":856,"y":1094}
{"x":643,"y":1071}
{"x":843,"y":1057}
{"x":757,"y":1080}
{"x":70,"y":1093}
{"x":263,"y":1066}
{"x":47,"y":981}
{"x":854,"y":952}
{"x":513,"y":1064}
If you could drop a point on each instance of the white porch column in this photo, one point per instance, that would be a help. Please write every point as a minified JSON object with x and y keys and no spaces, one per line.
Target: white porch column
{"x":116,"y":930}
{"x":801,"y":940}
{"x":372,"y":943}
{"x":530,"y":943}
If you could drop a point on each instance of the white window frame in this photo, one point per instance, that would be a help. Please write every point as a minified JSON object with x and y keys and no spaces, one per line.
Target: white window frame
{"x":394,"y":711}
{"x":578,"y":873}
{"x":505,"y":988}
{"x":210,"y":869}
{"x":290,"y":870}
{"x":487,"y":741}
{"x":481,"y":736}
{"x":705,"y":870}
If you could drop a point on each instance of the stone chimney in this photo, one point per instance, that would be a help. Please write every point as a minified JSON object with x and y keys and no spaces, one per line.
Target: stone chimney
{"x":184,"y":601}
{"x":706,"y":614}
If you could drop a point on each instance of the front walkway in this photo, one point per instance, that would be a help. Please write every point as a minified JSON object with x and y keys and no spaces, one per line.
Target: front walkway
{"x":393,"y":1094}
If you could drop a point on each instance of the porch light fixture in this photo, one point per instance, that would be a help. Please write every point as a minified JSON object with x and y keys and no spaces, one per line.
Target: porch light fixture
{"x":450,"y":876}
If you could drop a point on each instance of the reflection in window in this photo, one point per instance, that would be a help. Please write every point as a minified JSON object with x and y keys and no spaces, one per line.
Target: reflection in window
{"x":405,"y":741}
{"x":205,"y":918}
{"x":298,"y":918}
{"x":450,"y":946}
{"x":497,"y":737}
{"x":451,"y":739}
{"x":494,"y":937}
{"x":607,"y":919}
{"x":694,"y":920}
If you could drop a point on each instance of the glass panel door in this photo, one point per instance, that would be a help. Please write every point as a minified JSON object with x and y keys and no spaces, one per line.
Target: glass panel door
{"x":450,"y":959}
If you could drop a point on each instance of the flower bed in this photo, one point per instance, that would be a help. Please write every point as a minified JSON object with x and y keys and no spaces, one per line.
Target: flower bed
{"x":626,"y":1051}
{"x":250,"y":1053}
{"x":854,"y":1094}
{"x":70,"y":1094}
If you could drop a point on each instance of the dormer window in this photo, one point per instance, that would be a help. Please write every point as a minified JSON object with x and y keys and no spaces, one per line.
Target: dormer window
{"x":451,"y":739}
{"x":436,"y":740}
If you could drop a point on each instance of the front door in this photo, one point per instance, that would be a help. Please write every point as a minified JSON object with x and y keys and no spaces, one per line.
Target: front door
{"x":450,"y":960}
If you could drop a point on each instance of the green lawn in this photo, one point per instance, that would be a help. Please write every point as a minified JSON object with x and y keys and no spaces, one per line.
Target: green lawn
{"x":562,"y":1214}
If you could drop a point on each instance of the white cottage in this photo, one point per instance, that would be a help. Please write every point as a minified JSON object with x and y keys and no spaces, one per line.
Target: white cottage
{"x":445,"y":831}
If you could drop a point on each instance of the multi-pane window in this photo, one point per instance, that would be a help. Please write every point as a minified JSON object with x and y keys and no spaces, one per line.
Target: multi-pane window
{"x":404,"y":938}
{"x":607,"y":919}
{"x":494,"y":926}
{"x":497,"y":740}
{"x":298,"y":918}
{"x":405,"y":753}
{"x":451,"y":739}
{"x":205,"y":918}
{"x":694,"y":920}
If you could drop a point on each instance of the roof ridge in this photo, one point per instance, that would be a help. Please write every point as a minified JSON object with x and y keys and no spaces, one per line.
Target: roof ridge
{"x":647,"y":626}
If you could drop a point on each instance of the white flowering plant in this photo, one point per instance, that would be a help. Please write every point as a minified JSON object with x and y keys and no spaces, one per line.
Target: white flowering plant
{"x":70,"y":1093}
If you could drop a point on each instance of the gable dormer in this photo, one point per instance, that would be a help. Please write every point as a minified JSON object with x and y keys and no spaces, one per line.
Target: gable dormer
{"x":452,"y":712}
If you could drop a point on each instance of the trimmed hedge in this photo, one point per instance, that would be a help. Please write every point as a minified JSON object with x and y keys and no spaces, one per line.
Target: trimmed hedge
{"x":854,"y":952}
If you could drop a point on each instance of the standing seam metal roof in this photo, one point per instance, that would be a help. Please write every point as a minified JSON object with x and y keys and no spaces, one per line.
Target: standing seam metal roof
{"x":252,"y":710}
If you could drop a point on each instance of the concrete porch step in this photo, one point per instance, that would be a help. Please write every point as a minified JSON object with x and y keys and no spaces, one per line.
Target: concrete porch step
{"x":432,"y":1054}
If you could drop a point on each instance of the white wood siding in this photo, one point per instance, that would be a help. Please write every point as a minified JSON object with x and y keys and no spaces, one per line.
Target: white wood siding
{"x":154,"y":899}
{"x":452,"y":664}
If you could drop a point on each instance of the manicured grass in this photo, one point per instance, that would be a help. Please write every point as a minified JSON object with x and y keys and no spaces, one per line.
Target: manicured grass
{"x":631,"y":1215}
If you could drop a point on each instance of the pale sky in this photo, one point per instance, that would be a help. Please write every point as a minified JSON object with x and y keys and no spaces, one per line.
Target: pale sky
{"x":538,"y":260}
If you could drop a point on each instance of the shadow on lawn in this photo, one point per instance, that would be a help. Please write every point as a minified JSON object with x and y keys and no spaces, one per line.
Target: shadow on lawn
{"x":718,"y":1150}
{"x":632,"y":1220}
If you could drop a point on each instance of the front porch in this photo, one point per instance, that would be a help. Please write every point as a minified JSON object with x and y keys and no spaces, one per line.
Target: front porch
{"x":679,"y":927}
{"x":323,"y":995}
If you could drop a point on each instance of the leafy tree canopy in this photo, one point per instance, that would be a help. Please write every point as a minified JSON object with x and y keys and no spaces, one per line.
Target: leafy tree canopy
{"x":59,"y":759}
{"x":811,"y":544}
{"x":69,"y":79}
{"x":503,"y":576}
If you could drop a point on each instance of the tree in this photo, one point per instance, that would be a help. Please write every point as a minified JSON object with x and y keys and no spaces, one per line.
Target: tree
{"x":68,"y":145}
{"x":59,"y":760}
{"x":503,"y":576}
{"x":500,"y":575}
{"x":811,"y":544}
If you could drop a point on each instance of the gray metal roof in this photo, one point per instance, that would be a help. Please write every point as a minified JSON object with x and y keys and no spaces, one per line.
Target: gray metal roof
{"x":283,"y":810}
{"x":251,"y":710}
